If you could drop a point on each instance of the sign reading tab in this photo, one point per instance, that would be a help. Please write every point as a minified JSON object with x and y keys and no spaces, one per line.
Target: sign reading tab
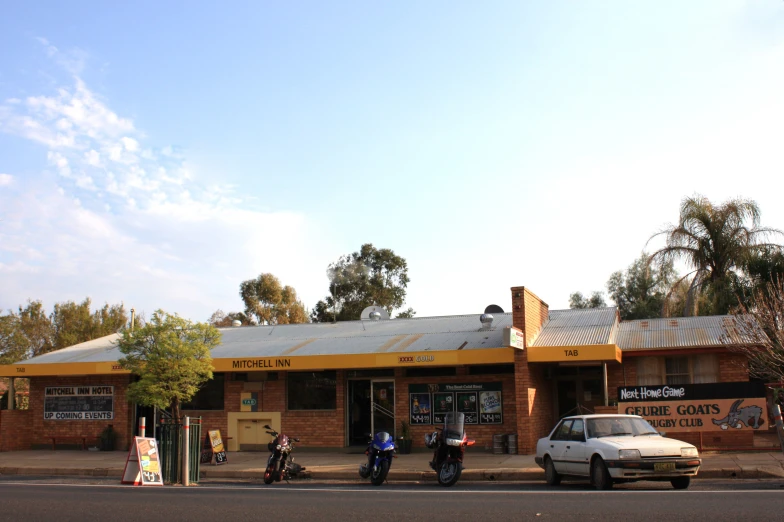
{"x":142,"y":467}
{"x":213,"y":446}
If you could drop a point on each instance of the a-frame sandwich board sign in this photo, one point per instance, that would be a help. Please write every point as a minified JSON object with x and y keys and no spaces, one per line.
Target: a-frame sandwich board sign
{"x":143,"y":467}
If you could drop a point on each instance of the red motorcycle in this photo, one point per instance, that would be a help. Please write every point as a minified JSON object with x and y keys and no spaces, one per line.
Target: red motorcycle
{"x":280,"y":465}
{"x":449,"y":446}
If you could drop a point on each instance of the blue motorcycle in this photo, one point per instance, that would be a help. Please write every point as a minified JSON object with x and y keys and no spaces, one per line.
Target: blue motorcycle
{"x":380,"y":452}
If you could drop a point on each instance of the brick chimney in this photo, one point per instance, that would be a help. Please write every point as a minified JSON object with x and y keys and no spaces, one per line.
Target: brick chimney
{"x":529,"y":313}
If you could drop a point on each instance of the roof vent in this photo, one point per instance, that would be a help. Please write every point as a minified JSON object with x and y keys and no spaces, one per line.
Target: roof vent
{"x":374,"y":313}
{"x":486,"y":320}
{"x":236,"y":322}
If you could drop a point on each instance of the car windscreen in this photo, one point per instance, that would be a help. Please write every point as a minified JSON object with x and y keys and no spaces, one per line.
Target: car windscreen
{"x":618,"y":427}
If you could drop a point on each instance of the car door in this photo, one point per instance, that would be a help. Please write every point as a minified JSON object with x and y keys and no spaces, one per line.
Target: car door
{"x":577,"y":450}
{"x":558,"y":446}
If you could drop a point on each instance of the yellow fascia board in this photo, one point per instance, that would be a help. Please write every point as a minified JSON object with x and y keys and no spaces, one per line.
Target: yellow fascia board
{"x":287,"y":363}
{"x":585,"y":353}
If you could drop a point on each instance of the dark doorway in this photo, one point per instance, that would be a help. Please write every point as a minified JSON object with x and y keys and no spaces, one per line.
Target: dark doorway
{"x":579,"y":390}
{"x":148,"y":412}
{"x":359,"y":408}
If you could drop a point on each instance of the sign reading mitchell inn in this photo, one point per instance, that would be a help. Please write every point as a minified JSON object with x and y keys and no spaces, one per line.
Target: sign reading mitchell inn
{"x":697,"y":407}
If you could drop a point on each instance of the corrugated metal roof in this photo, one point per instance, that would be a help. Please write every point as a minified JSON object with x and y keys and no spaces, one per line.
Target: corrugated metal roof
{"x":676,"y":332}
{"x":579,"y":327}
{"x":348,"y":337}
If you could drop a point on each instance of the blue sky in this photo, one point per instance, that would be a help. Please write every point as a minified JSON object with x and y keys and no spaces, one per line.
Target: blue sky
{"x":160,"y":153}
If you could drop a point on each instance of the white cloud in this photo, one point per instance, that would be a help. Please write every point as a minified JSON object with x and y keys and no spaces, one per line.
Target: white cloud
{"x":125,"y":220}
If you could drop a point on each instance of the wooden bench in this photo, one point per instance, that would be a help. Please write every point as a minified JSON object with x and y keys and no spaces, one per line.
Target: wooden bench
{"x":76,"y":439}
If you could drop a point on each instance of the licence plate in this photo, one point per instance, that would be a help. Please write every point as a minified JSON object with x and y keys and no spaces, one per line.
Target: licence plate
{"x":664,"y":466}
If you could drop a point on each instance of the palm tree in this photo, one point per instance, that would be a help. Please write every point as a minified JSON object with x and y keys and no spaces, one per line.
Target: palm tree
{"x":717,"y":243}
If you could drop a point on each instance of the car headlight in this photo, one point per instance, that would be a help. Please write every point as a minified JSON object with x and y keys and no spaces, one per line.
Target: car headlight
{"x":689,"y":452}
{"x":627,"y":454}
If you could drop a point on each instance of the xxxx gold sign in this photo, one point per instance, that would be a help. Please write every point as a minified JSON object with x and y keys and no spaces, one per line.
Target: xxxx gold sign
{"x":697,"y":407}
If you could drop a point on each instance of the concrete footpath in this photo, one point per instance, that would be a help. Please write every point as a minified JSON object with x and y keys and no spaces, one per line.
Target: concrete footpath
{"x":335,"y":465}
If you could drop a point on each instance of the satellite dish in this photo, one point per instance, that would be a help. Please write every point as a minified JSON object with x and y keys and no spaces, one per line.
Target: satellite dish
{"x":370,"y":313}
{"x":494,"y":309}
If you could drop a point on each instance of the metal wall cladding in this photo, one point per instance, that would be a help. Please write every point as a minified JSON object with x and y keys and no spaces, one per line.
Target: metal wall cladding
{"x":579,"y":327}
{"x":676,"y":332}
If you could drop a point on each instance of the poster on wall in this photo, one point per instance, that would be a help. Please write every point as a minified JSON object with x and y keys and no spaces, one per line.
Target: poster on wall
{"x":420,"y":408}
{"x":481,"y":403}
{"x":79,"y":403}
{"x":443,"y":403}
{"x":698,"y":407}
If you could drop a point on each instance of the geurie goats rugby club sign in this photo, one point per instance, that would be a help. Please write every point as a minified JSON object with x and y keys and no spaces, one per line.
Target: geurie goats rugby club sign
{"x":79,"y":403}
{"x":697,"y":407}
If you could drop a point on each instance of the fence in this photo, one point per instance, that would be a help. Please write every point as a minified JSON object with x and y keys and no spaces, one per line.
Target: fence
{"x":169,"y":435}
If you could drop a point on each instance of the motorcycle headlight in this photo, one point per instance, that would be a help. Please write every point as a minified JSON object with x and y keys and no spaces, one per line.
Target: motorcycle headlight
{"x":629,"y":454}
{"x":690,"y":452}
{"x":453,"y":442}
{"x":278,"y":447}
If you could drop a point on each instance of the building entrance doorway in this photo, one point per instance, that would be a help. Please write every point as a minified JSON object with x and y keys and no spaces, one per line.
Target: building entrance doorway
{"x":579,"y":389}
{"x":371,"y":408}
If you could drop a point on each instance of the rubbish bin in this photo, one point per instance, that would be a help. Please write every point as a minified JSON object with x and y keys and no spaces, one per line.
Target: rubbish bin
{"x":511,"y":444}
{"x":498,"y":444}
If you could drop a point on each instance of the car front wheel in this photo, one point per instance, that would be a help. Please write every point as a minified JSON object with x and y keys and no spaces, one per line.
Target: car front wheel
{"x":550,"y":475}
{"x":681,"y":482}
{"x":600,"y":477}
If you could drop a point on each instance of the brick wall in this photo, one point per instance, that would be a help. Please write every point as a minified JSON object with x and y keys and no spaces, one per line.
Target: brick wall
{"x":40,"y":429}
{"x":15,"y":430}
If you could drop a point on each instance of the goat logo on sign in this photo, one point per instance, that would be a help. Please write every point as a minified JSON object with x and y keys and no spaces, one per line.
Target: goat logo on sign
{"x":738,"y":417}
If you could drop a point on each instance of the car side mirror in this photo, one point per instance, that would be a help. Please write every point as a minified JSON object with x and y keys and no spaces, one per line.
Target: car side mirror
{"x":663,"y":433}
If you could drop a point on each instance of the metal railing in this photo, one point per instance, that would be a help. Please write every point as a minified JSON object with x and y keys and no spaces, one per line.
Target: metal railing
{"x":169,"y":436}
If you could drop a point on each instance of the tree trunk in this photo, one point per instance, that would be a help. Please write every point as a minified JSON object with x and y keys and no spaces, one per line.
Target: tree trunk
{"x":176,"y":410}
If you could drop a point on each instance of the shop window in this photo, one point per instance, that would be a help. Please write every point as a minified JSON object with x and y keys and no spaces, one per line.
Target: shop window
{"x":209,"y":397}
{"x":696,"y":369}
{"x":312,"y":390}
{"x":447,"y":371}
{"x":369,"y":374}
{"x":491,"y":369}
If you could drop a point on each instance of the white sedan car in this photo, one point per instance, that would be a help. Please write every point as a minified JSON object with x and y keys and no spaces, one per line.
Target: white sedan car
{"x":614,"y":448}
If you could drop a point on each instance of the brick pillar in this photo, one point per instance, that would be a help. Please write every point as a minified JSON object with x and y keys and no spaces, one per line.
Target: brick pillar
{"x":533,"y":393}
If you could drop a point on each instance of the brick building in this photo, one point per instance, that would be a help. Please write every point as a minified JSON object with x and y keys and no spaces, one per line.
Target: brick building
{"x":329,"y":384}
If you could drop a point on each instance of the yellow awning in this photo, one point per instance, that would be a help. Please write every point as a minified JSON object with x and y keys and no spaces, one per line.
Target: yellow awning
{"x":587,"y":353}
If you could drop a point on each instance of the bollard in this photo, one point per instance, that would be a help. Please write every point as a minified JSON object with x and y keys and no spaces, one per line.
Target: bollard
{"x":142,"y":427}
{"x":779,"y":425}
{"x":186,"y":437}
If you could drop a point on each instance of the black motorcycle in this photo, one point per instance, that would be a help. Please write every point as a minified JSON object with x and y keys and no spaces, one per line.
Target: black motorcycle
{"x":449,"y":446}
{"x":280,"y":465}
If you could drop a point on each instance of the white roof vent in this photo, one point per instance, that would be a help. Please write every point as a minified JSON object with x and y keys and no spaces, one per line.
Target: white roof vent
{"x":486,"y":320}
{"x":236,"y":322}
{"x":374,"y":313}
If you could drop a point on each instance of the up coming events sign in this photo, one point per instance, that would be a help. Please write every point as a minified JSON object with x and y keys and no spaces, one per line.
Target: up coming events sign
{"x":697,"y":407}
{"x":79,"y":403}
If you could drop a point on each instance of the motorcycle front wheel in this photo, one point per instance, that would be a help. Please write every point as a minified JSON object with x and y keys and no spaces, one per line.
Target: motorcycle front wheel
{"x":378,"y":475}
{"x":270,"y":473}
{"x":449,"y":473}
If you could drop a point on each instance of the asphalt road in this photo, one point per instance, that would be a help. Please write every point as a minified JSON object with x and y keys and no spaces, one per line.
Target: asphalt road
{"x":32,"y":499}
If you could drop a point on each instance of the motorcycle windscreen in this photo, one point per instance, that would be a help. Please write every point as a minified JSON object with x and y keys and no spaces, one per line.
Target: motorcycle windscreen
{"x":453,"y":425}
{"x":283,"y":440}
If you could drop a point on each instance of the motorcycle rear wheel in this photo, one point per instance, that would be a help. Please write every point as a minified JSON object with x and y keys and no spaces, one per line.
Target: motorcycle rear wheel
{"x":378,"y":476}
{"x":449,"y":473}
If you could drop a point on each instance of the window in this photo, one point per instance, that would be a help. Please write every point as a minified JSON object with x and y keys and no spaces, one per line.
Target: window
{"x":562,"y":433}
{"x":209,"y":397}
{"x":312,"y":390}
{"x":677,"y":370}
{"x":693,"y":369}
{"x":578,"y":431}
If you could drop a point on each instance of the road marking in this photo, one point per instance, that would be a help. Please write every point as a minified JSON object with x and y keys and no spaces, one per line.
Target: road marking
{"x":395,"y":491}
